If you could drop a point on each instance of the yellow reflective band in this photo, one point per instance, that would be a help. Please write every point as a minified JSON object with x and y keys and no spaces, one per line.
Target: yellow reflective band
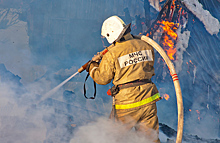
{"x":140,"y":103}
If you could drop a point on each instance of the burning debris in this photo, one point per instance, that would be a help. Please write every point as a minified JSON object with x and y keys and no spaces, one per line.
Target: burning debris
{"x":171,"y":17}
{"x":169,"y":37}
{"x":166,"y":96}
{"x":173,"y":29}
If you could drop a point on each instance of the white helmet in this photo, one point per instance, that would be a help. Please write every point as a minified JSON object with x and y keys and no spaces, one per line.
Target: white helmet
{"x":113,"y":29}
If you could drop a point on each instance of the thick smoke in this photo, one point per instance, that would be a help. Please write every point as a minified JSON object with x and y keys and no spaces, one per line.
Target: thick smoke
{"x":107,"y":131}
{"x":16,"y":124}
{"x":182,"y":44}
{"x":21,"y":120}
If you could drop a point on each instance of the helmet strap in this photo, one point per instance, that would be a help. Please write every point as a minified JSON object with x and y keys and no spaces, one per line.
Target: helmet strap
{"x":125,"y":31}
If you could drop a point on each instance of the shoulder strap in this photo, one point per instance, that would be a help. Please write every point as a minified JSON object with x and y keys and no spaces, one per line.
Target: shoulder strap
{"x":85,"y":88}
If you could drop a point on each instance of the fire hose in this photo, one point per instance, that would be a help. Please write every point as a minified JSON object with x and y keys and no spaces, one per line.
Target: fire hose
{"x":176,"y":85}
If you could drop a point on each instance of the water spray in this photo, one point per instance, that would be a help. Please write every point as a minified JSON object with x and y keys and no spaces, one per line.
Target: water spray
{"x":51,"y":92}
{"x":81,"y":69}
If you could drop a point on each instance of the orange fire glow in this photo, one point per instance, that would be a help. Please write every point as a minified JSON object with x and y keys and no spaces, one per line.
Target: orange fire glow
{"x":73,"y":125}
{"x":169,"y":37}
{"x":166,"y":96}
{"x":198,"y":113}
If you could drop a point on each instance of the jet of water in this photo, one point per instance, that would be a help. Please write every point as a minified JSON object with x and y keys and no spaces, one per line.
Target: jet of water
{"x":51,"y":92}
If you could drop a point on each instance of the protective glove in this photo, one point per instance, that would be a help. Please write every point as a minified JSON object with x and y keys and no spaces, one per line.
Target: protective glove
{"x":97,"y":57}
{"x":91,"y":65}
{"x":94,"y":62}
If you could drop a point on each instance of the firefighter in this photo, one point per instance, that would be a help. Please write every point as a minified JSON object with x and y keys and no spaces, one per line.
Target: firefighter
{"x":129,"y":65}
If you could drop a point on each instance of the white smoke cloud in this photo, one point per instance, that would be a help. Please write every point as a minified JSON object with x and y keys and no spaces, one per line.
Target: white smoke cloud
{"x":15,"y":125}
{"x":212,"y":24}
{"x":182,"y":44}
{"x":107,"y":131}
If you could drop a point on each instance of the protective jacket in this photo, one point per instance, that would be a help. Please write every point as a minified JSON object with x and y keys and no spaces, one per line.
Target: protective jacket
{"x":129,"y":60}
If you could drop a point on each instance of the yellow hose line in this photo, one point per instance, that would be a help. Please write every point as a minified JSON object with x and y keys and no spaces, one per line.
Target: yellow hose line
{"x":176,"y":85}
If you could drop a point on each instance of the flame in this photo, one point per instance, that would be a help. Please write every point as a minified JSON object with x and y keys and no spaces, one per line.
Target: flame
{"x":73,"y":125}
{"x":166,"y":96}
{"x":197,"y":111}
{"x":190,"y":64}
{"x":169,"y":37}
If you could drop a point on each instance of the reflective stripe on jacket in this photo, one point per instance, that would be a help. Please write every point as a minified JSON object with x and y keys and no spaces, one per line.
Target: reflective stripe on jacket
{"x":127,"y":61}
{"x":140,"y":103}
